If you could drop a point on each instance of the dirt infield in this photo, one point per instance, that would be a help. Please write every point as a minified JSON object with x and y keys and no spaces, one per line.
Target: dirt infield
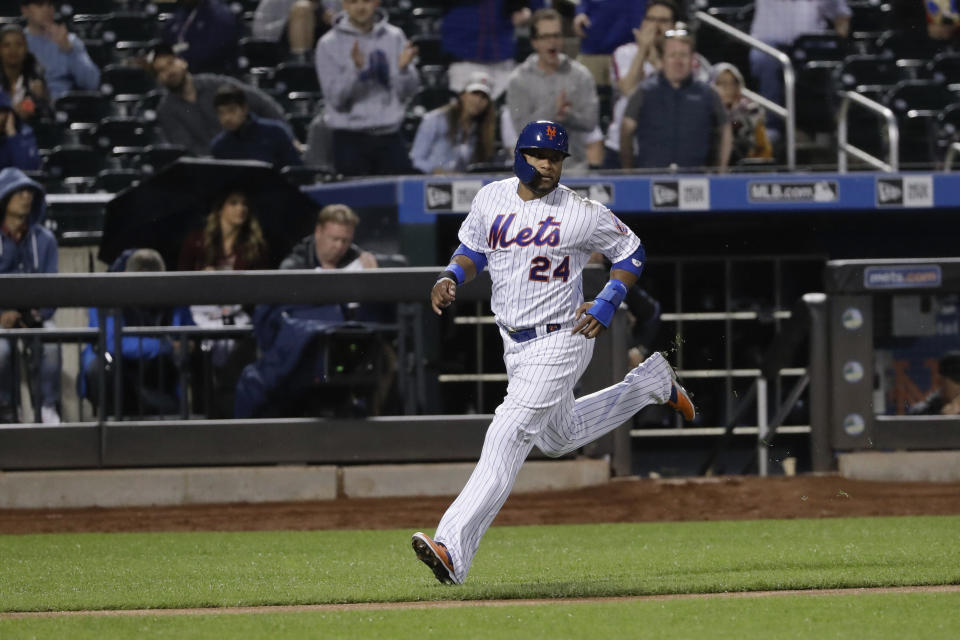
{"x":628,"y":500}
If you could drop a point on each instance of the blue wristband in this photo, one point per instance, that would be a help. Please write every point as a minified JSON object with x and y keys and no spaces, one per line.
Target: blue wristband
{"x":608,"y":301}
{"x":453,"y":268}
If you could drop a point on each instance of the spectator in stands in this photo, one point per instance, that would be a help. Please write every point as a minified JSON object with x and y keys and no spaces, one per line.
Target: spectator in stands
{"x":551,"y":86}
{"x":945,"y":399}
{"x":365,"y":66}
{"x":246,"y":136}
{"x":635,"y":61}
{"x":205,"y":33}
{"x":745,"y":116}
{"x":18,"y":146}
{"x":231,"y":239}
{"x":26,"y":246}
{"x":602,"y":26}
{"x":480,"y":36}
{"x":943,"y":19}
{"x":778,"y":23}
{"x":62,"y":54}
{"x":186,"y":114}
{"x":295,"y":24}
{"x":459,"y":134}
{"x":149,"y":364}
{"x":20,"y":75}
{"x":675,"y":120}
{"x":331,"y":244}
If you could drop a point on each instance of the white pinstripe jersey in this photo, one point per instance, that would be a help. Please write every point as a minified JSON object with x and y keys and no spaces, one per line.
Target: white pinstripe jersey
{"x":536,"y":250}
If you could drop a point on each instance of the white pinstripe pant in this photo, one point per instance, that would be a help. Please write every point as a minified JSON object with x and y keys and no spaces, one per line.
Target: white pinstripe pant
{"x":540,"y":410}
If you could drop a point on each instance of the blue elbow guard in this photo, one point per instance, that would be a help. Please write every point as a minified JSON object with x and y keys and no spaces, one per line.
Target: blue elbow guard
{"x":479,"y":259}
{"x":608,"y":301}
{"x":633,"y":263}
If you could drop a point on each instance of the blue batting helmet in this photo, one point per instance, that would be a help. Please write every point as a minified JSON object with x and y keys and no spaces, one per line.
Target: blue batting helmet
{"x":541,"y":134}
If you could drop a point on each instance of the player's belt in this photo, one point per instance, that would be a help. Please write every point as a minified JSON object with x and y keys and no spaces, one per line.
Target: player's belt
{"x":522,"y":335}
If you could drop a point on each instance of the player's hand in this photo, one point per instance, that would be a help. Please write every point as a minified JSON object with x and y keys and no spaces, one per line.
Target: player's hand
{"x":580,"y":25}
{"x":357,"y":55}
{"x":587,"y":324}
{"x":444,"y":292}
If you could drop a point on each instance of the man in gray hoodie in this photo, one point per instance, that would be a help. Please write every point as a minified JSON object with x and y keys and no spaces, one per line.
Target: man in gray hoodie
{"x":366,"y":71}
{"x":551,"y":86}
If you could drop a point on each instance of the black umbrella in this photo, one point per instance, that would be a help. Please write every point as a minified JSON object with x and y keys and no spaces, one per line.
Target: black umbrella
{"x":159,"y":212}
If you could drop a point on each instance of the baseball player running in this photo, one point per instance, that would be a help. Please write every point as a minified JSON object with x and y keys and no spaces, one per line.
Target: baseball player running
{"x":536,"y":235}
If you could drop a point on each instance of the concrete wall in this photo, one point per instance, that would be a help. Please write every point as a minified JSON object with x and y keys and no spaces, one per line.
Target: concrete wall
{"x":901,"y":466}
{"x":223,"y":485}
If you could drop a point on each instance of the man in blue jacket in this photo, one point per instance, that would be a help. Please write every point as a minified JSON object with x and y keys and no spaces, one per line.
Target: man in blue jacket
{"x":18,"y":146}
{"x":246,"y":136}
{"x":26,"y":246}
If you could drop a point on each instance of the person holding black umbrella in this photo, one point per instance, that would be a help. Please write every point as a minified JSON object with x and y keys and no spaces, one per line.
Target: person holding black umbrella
{"x":231,"y":239}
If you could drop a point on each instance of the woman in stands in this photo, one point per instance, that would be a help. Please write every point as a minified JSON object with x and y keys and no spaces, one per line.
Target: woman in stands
{"x":230,"y":240}
{"x":746,"y":116}
{"x":459,"y":134}
{"x":21,"y":76}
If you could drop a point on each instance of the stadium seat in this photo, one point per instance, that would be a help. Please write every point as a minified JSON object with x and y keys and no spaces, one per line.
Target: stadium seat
{"x":429,"y":99}
{"x":117,"y":79}
{"x":304,"y":176}
{"x":258,"y":52}
{"x":77,"y":7}
{"x":157,"y":156}
{"x":945,"y":67}
{"x":123,"y":26}
{"x":295,"y":76}
{"x":73,"y":167}
{"x":948,"y":128}
{"x":146,"y":107}
{"x":82,"y":106}
{"x":123,"y":131}
{"x":430,"y":50}
{"x":115,"y":180}
{"x":426,"y":20}
{"x":434,"y":75}
{"x":916,"y":104}
{"x":300,"y":123}
{"x":870,"y":19}
{"x":99,"y":51}
{"x":47,"y":133}
{"x":865,"y":70}
{"x":818,"y":46}
{"x":908,"y":46}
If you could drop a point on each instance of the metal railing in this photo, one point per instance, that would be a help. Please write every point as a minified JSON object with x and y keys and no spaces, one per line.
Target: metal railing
{"x":951,"y":152}
{"x":844,"y":148}
{"x":787,"y":111}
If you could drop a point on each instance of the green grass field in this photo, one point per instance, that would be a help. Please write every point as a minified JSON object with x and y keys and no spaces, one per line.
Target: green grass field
{"x":178,"y":570}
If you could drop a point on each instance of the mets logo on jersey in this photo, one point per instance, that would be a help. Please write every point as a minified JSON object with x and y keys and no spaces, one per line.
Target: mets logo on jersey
{"x":622,"y":228}
{"x":547,"y":233}
{"x":551,"y":132}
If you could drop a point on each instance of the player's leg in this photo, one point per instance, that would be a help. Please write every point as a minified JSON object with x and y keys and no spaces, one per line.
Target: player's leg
{"x":577,"y":423}
{"x":542,"y":374}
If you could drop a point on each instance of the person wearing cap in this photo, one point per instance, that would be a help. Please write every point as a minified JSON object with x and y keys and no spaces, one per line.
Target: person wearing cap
{"x":18,"y":146}
{"x":456,"y":135}
{"x":945,"y":398}
{"x":548,"y":85}
{"x":746,"y":116}
{"x":64,"y":58}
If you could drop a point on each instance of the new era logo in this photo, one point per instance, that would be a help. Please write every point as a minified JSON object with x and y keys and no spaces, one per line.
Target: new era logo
{"x":889,"y":191}
{"x":665,"y":194}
